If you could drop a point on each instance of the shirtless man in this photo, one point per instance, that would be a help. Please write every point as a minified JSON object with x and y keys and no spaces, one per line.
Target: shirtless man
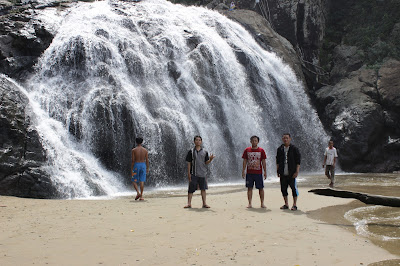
{"x":140,"y":167}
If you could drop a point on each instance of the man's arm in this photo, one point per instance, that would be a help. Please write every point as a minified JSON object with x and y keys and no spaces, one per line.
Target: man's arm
{"x":212,"y":156}
{"x":323,"y":165}
{"x":133,"y":161}
{"x":147,"y":162}
{"x":189,"y":175}
{"x":277,"y":170}
{"x":334,"y":158}
{"x":189,"y":164}
{"x":297,"y":171}
{"x":334,"y":161}
{"x":244,"y":168}
{"x":264,"y":164}
{"x":277,"y":162}
{"x":298,"y":160}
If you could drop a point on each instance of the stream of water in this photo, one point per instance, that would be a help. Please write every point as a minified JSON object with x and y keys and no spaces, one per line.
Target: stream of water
{"x":116,"y":70}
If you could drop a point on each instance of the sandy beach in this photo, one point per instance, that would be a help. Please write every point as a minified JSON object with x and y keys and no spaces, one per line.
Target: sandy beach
{"x":159,"y":231}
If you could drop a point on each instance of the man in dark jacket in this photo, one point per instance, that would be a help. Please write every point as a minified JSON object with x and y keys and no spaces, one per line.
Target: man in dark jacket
{"x":287,"y":166}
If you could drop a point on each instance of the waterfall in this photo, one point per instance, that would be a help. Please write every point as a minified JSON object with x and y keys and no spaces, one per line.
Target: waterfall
{"x":117,"y":70}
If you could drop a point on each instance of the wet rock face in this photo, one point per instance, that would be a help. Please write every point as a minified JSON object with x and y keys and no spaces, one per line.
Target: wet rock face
{"x":302,"y":23}
{"x":346,"y":59}
{"x":267,"y":38}
{"x":362,"y":112}
{"x":22,"y":40}
{"x":111,"y":141}
{"x":21,"y":154}
{"x":389,"y":90}
{"x":389,"y":87}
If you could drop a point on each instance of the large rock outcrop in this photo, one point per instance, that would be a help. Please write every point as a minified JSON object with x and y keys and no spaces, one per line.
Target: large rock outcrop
{"x":21,"y":154}
{"x":359,"y":110}
{"x":265,"y":36}
{"x":302,"y":23}
{"x":22,"y":39}
{"x":362,"y":111}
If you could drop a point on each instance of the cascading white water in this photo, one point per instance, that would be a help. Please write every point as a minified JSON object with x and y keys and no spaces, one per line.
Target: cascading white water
{"x":116,"y":70}
{"x":75,"y":172}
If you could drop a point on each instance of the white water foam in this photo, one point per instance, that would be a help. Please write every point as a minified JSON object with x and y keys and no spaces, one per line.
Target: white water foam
{"x":111,"y":58}
{"x":363,"y":216}
{"x":69,"y":163}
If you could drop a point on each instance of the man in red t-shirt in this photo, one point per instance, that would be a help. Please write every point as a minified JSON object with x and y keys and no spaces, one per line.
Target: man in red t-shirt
{"x":254,"y":160}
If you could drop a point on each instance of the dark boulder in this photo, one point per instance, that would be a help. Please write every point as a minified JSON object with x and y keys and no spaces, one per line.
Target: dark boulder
{"x":362,"y":112}
{"x":346,"y":59}
{"x":389,"y":87}
{"x":21,"y":154}
{"x":22,"y":40}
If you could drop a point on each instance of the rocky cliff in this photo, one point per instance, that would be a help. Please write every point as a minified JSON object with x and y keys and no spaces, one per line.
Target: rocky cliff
{"x":360,"y":106}
{"x":21,"y":154}
{"x":22,"y":41}
{"x":362,"y":112}
{"x":349,"y":52}
{"x":22,"y":38}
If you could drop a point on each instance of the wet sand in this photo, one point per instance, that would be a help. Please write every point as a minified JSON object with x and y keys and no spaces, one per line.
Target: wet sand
{"x":159,"y":231}
{"x":335,"y":214}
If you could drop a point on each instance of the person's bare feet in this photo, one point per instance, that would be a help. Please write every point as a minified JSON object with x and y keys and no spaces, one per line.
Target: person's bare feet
{"x":263,"y":206}
{"x":188,"y":206}
{"x":331,"y":185}
{"x":141,"y":198}
{"x":137,"y":196}
{"x":249,"y":206}
{"x":206,"y":206}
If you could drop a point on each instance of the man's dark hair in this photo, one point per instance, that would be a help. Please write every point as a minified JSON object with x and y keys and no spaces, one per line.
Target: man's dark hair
{"x":252,"y":137}
{"x":139,"y":140}
{"x":195,"y":137}
{"x":288,"y":134}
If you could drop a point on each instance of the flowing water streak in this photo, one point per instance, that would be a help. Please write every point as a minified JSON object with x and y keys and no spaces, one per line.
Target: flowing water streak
{"x":69,"y":166}
{"x":382,"y":217}
{"x":116,"y":70}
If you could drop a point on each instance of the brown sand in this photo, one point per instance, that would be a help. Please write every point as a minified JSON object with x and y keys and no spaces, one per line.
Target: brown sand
{"x":159,"y":231}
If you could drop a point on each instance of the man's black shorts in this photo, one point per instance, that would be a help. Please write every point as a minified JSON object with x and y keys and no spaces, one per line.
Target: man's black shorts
{"x":287,"y":181}
{"x":254,"y":178}
{"x":200,"y":182}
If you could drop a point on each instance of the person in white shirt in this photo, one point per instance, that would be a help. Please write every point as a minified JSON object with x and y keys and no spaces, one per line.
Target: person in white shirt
{"x":330,"y":156}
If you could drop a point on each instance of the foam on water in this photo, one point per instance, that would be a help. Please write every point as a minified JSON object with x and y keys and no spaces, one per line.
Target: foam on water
{"x":364,"y":217}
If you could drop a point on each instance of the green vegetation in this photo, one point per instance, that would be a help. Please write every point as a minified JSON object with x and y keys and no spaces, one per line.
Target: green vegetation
{"x":367,"y":24}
